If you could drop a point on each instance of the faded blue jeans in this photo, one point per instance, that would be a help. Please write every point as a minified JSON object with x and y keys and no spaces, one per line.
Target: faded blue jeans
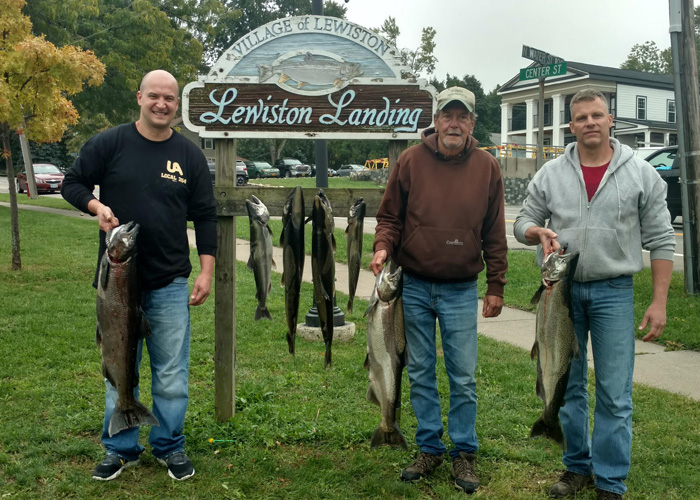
{"x":169,"y":351}
{"x":454,"y":305}
{"x":606,"y":309}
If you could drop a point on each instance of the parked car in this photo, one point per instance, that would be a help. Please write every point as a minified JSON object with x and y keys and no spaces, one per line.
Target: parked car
{"x":290,"y":167}
{"x":257,"y":169}
{"x":666,"y":162}
{"x":241,"y":172}
{"x":346,"y":170}
{"x":48,"y":177}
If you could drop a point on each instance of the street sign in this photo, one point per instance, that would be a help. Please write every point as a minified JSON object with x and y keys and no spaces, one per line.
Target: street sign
{"x":540,"y":56}
{"x":535,"y":72}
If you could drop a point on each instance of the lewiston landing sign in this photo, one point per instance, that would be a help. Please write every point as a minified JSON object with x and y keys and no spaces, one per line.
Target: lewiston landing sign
{"x":312,"y":77}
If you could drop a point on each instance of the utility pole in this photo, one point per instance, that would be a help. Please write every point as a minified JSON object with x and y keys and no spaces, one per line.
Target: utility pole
{"x":685,"y":72}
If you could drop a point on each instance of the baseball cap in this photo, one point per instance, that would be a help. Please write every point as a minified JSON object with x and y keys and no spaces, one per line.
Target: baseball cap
{"x":459,"y":94}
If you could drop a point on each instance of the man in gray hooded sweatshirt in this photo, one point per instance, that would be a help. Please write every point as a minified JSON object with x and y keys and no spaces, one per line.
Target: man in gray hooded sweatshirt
{"x":604,"y":202}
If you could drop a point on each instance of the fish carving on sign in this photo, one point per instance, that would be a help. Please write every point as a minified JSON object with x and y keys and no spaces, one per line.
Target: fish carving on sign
{"x":312,"y":70}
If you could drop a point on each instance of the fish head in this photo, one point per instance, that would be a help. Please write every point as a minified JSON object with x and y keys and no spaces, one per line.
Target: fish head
{"x":558,"y":266}
{"x":350,"y":70}
{"x":322,"y":211}
{"x":121,"y":241}
{"x":389,"y":281}
{"x":358,"y":209}
{"x":257,"y":210}
{"x":293,"y":210}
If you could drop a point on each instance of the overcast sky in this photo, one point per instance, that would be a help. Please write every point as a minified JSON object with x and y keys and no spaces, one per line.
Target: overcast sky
{"x":484,"y":38}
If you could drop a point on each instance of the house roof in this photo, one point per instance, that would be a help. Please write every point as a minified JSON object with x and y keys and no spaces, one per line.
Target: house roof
{"x":576,"y":70}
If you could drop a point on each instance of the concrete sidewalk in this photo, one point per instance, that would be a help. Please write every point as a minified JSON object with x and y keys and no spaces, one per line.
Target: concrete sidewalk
{"x":673,"y":371}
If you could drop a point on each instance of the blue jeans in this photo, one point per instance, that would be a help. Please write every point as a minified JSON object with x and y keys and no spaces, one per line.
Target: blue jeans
{"x":606,"y":309}
{"x":169,"y":351}
{"x":455,"y":307}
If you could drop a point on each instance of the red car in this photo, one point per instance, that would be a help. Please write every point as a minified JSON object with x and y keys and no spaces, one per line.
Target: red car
{"x":49,"y":178}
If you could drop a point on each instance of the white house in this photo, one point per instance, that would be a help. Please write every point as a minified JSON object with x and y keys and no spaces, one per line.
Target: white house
{"x":642,"y":105}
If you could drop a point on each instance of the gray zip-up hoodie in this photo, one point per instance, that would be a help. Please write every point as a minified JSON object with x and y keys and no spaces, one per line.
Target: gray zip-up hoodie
{"x":627,"y":213}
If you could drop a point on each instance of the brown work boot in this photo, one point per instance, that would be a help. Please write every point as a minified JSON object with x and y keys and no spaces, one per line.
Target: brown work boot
{"x":463,"y":472}
{"x":423,"y":466}
{"x":569,"y":484}
{"x":607,"y":495}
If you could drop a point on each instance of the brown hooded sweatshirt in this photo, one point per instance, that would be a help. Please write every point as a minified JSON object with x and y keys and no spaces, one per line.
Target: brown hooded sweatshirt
{"x":440,"y":215}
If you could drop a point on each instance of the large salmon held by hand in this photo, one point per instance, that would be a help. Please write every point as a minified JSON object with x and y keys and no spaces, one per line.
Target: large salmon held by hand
{"x":555,"y":341}
{"x":120,"y":326}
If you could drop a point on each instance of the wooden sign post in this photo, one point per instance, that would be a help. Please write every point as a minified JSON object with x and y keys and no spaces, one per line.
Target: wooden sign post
{"x":306,"y":77}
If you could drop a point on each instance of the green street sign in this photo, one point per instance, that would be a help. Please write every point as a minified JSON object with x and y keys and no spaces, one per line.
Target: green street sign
{"x":536,"y":72}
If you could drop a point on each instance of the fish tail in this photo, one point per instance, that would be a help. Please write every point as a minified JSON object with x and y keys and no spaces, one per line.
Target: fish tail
{"x":350,"y":301}
{"x":264,"y":72}
{"x":262,"y":312}
{"x":327,"y":360}
{"x":551,"y":430}
{"x":394,"y":438}
{"x":290,"y":341}
{"x":131,"y":417}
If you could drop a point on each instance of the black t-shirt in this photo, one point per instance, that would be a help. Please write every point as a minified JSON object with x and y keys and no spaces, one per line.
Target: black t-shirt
{"x":159,"y":185}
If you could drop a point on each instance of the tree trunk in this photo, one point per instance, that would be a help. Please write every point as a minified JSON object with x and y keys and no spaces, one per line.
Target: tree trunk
{"x":14,"y":214}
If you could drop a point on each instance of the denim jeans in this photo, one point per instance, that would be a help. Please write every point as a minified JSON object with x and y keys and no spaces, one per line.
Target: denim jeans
{"x":169,"y":351}
{"x":606,"y":309}
{"x":454,"y":305}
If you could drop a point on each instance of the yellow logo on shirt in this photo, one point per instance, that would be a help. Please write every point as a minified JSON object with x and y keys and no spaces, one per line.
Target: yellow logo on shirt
{"x":174,"y":167}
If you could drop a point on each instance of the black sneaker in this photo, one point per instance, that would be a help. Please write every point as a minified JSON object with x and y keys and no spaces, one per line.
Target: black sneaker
{"x":463,"y":472}
{"x":111,"y":467}
{"x":569,"y":484}
{"x":179,"y":466}
{"x":607,"y":495}
{"x":423,"y":466}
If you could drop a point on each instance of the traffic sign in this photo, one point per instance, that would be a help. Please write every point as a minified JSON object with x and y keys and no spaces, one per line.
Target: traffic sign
{"x":540,"y":56}
{"x":535,"y":72}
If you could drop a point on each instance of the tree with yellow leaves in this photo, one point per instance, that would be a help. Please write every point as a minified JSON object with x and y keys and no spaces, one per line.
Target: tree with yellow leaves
{"x":36,"y":78}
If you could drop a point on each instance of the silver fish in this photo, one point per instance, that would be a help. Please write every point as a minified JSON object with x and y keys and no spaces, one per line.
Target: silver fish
{"x":311,"y":70}
{"x":555,"y":341}
{"x":292,"y":242}
{"x":260,"y":260}
{"x":323,"y":267}
{"x":386,"y":351}
{"x":120,"y":325}
{"x":354,"y":234}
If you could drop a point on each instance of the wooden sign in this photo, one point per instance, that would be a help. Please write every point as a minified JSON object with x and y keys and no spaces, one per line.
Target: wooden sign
{"x":309,"y":77}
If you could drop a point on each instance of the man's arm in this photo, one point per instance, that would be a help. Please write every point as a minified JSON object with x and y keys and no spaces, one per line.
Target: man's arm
{"x":202,"y":285}
{"x":655,"y":315}
{"x":541,"y":235}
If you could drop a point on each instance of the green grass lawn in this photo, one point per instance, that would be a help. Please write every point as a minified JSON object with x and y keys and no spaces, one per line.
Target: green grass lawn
{"x":300,"y":431}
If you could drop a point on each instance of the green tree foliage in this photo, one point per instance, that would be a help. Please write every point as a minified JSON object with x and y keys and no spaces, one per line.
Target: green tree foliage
{"x":419,"y":60}
{"x":131,"y":37}
{"x":648,"y":57}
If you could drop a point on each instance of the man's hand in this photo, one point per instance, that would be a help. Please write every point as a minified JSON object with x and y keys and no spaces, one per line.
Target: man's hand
{"x":104,"y":214}
{"x":200,"y":290}
{"x":655,"y":318}
{"x":202,"y":285}
{"x":377,"y":261}
{"x":545,"y":237}
{"x":493,"y":305}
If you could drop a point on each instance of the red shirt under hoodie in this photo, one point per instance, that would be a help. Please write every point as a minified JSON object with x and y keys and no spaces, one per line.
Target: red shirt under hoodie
{"x":442,"y":218}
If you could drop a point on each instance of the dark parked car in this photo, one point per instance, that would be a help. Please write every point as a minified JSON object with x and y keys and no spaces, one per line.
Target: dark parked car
{"x":241,"y":172}
{"x":289,"y":167}
{"x":48,"y":177}
{"x":666,"y":162}
{"x":257,"y":169}
{"x":346,"y":170}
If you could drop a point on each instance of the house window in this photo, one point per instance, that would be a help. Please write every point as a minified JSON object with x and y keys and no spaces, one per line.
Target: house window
{"x":208,"y":143}
{"x":671,"y":111}
{"x":641,"y":108}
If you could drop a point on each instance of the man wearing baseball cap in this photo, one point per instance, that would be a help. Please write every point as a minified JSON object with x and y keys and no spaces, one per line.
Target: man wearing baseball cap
{"x":441,"y":219}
